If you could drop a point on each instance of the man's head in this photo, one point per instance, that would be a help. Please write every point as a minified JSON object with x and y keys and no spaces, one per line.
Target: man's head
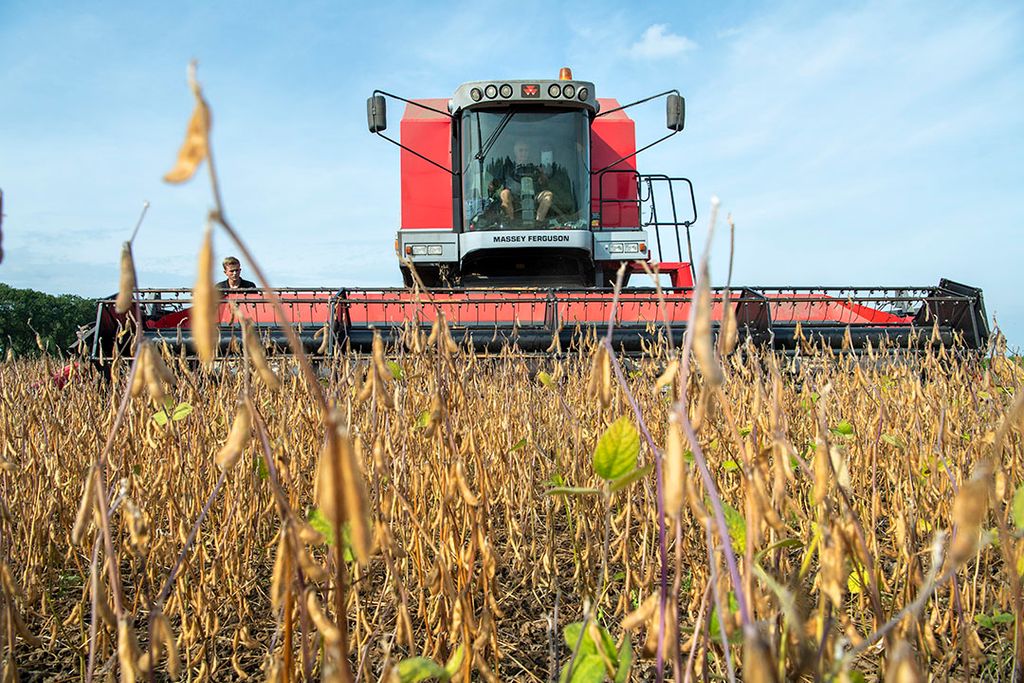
{"x":233,"y":270}
{"x":522,"y":151}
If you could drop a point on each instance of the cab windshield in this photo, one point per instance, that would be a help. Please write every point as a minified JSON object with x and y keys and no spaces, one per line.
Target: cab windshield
{"x":525,"y":169}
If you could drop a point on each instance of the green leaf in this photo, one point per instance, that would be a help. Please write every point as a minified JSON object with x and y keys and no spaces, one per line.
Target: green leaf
{"x":617,"y":450}
{"x":545,"y":379}
{"x":177,"y":412}
{"x":572,"y":632}
{"x":844,"y":428}
{"x":993,"y":620}
{"x":608,"y":645}
{"x":893,"y":441}
{"x":715,"y":624}
{"x":454,"y":662}
{"x":737,"y":527}
{"x":396,"y":370}
{"x":571,"y":491}
{"x":317,"y":520}
{"x":784,"y":543}
{"x":1018,"y":507}
{"x":855,"y":676}
{"x":518,"y":445}
{"x":730,"y":465}
{"x":423,"y":420}
{"x":744,"y":431}
{"x":587,"y":669}
{"x":260,"y":465}
{"x":688,"y":457}
{"x":854,"y":582}
{"x":415,"y":669}
{"x":625,"y":659}
{"x":624,"y":481}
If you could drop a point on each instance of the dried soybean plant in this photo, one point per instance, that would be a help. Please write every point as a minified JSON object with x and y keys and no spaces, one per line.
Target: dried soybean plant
{"x":425,"y":511}
{"x":469,"y":551}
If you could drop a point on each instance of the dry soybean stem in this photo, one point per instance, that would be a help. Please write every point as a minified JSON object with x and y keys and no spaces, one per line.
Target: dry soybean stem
{"x":165,"y":592}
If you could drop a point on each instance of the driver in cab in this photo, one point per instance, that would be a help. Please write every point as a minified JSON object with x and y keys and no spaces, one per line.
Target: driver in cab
{"x":522,"y":184}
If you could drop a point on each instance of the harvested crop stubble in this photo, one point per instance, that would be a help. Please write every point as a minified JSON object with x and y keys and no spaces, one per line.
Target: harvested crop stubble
{"x":835,"y":474}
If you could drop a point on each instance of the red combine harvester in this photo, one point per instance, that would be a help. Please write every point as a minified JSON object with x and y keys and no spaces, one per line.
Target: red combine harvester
{"x":520,"y":201}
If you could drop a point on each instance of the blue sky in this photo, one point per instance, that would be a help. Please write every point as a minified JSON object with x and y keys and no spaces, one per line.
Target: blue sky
{"x":853,"y":143}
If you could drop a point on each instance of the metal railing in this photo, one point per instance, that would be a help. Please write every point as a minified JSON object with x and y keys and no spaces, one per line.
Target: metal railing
{"x":654,"y":213}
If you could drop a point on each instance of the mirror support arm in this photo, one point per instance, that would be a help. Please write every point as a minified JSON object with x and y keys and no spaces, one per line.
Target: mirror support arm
{"x":630,"y":156}
{"x":409,"y":149}
{"x":645,"y":147}
{"x":414,"y":103}
{"x":417,"y":154}
{"x":633,"y":104}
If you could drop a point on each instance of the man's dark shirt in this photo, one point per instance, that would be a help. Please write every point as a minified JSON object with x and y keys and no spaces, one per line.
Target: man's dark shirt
{"x":508,"y":174}
{"x":243,"y":284}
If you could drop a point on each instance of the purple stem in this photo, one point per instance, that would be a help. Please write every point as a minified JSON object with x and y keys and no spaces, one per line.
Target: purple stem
{"x":660,"y":497}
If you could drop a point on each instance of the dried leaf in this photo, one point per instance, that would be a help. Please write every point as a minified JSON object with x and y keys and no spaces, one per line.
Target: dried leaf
{"x":196,"y":146}
{"x":675,"y":469}
{"x":254,"y":348}
{"x":969,"y":509}
{"x":666,"y":377}
{"x":238,"y":437}
{"x":341,"y":490}
{"x":126,"y":289}
{"x":205,"y":303}
{"x":703,"y":347}
{"x":85,"y":508}
{"x":902,"y":666}
{"x":758,"y":663}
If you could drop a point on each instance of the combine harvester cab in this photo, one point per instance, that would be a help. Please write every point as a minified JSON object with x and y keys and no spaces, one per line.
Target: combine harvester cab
{"x":521,"y":199}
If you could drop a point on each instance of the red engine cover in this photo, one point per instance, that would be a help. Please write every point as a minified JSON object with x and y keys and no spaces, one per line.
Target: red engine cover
{"x":426,"y":189}
{"x":613,"y":137}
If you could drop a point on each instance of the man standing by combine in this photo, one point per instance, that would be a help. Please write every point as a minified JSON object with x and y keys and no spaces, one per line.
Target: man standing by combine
{"x":234,"y":280}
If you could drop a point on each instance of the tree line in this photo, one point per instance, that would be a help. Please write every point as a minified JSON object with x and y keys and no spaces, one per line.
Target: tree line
{"x":24,"y":313}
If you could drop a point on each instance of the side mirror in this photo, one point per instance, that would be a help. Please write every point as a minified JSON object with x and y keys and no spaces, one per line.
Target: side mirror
{"x":675,"y":112}
{"x":376,"y":114}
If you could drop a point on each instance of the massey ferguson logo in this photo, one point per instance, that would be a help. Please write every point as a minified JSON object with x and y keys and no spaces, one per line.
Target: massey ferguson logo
{"x":517,"y":239}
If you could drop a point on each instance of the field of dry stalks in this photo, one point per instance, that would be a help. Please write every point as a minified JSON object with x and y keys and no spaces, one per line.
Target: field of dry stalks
{"x":427,"y":514}
{"x":456,"y":517}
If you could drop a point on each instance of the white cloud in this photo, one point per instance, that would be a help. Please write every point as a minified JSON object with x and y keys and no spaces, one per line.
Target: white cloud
{"x":658,"y":42}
